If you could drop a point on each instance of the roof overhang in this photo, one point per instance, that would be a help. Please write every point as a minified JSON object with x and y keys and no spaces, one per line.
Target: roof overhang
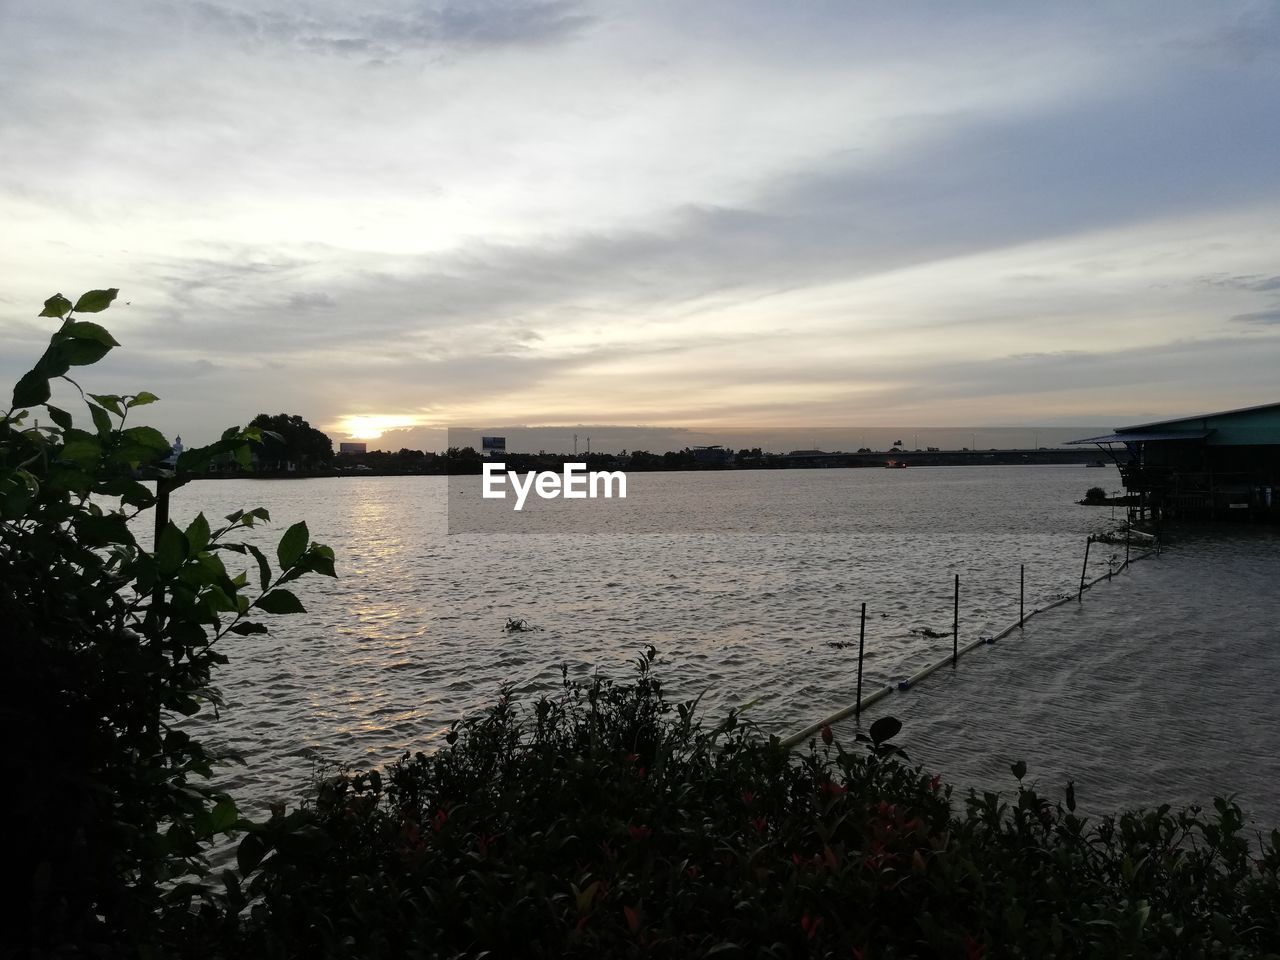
{"x":1136,"y":437}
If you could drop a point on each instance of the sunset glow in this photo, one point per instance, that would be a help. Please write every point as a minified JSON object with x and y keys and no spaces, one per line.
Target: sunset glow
{"x":371,"y":426}
{"x":700,"y":215}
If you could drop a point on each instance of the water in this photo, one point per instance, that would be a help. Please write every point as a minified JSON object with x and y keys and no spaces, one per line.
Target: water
{"x":1159,"y":688}
{"x":411,"y":637}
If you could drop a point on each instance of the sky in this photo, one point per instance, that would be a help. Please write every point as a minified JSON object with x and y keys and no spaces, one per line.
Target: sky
{"x":392,"y":217}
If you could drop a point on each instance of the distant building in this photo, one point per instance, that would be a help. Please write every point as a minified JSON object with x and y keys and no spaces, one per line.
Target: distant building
{"x":352,"y":447}
{"x":175,"y":452}
{"x":1213,"y":465}
{"x":713,"y":456}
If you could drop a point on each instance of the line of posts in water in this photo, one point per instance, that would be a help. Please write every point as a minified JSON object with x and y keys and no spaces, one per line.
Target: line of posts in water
{"x":856,"y":709}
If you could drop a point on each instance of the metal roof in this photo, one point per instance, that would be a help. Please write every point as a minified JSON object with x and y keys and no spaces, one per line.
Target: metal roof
{"x":1143,"y":437}
{"x":1202,"y":416}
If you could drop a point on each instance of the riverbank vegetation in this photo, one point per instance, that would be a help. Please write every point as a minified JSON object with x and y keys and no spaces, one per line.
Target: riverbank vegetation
{"x":114,"y":620}
{"x":605,"y":821}
{"x":601,"y":819}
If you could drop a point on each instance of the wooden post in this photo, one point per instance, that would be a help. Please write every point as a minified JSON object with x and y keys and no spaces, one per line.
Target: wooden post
{"x":955,"y":626}
{"x":162,"y":509}
{"x":862,"y":637}
{"x":1022,"y":594}
{"x":152,"y":621}
{"x":1127,"y":528}
{"x":1085,"y":569}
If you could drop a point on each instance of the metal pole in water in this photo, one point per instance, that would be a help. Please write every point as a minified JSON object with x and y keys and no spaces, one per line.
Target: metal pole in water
{"x":1127,"y":528}
{"x":955,"y":626}
{"x":1022,"y":594}
{"x":162,"y":521}
{"x":1085,"y":569}
{"x":862,"y":637}
{"x":162,"y":510}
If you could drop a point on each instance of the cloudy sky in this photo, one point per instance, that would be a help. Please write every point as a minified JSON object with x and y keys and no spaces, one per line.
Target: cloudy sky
{"x":700,"y":214}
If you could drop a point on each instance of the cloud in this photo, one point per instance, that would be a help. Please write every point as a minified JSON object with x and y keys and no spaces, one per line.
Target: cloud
{"x":1245,"y":35}
{"x":447,"y":25}
{"x":310,"y":301}
{"x":1265,"y":317}
{"x":731,"y":210}
{"x":1255,"y":282}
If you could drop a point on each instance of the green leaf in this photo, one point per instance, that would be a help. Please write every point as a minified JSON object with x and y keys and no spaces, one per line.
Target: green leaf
{"x":264,"y":568}
{"x":198,"y":533}
{"x":101,"y":419}
{"x":54,"y":362}
{"x":723,"y":949}
{"x":148,"y":437}
{"x":60,"y":417}
{"x":886,"y":728}
{"x":107,"y":529}
{"x":109,"y":401}
{"x":250,"y":853}
{"x":320,"y":560}
{"x":88,"y":330}
{"x":142,"y":399}
{"x":293,"y":544}
{"x":86,"y":450}
{"x":172,"y":550}
{"x":31,"y":391}
{"x":82,"y":353}
{"x":62,"y":477}
{"x":56,"y":306}
{"x":280,"y":601}
{"x":15,"y":498}
{"x":224,"y":815}
{"x":217,"y":600}
{"x":95,"y":301}
{"x":248,"y":627}
{"x":1019,"y":769}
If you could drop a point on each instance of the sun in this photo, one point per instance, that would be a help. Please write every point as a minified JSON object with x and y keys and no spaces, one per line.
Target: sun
{"x":371,"y":426}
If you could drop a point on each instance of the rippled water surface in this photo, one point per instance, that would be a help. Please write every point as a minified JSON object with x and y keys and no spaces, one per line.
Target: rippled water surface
{"x":412,"y":636}
{"x":1158,"y":688}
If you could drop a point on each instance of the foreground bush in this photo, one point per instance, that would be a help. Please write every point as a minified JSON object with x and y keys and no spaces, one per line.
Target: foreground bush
{"x":606,"y":822}
{"x":113,"y":620}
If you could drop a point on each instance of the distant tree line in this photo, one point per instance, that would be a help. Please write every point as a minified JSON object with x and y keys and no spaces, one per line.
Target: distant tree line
{"x":291,"y":445}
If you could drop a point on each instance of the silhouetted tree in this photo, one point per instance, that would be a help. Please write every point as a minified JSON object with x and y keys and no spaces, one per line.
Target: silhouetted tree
{"x":298,"y":441}
{"x":463,"y":460}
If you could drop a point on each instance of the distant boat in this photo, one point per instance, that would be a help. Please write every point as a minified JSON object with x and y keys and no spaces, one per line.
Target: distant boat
{"x":896,"y":465}
{"x":1097,"y":463}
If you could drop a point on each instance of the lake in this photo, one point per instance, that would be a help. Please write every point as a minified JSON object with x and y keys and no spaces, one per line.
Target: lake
{"x":747,"y":582}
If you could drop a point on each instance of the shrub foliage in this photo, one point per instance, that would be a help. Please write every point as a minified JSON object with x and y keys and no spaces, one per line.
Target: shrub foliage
{"x":606,"y":821}
{"x":114,"y":618}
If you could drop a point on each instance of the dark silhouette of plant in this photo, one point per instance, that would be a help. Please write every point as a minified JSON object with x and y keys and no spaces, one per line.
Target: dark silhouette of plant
{"x":605,"y":821}
{"x":1095,"y":495}
{"x":287,"y":438}
{"x":112,"y":627}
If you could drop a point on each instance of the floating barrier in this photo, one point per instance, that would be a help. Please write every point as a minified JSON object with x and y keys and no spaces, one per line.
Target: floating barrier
{"x":796,"y":739}
{"x":860,"y":704}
